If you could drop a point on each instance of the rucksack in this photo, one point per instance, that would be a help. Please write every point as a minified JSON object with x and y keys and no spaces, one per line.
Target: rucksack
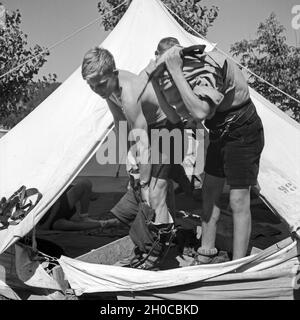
{"x":14,"y":209}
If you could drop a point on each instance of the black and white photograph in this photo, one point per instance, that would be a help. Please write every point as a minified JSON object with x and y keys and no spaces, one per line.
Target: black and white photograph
{"x":149,"y":151}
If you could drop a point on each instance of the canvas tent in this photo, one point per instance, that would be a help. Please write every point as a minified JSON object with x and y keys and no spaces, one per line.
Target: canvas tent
{"x":64,"y":132}
{"x":55,"y":142}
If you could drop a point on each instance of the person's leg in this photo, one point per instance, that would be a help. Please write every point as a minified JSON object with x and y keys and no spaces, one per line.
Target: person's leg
{"x":126,"y":210}
{"x":160,"y":228}
{"x":240,"y":205}
{"x":242,"y":155}
{"x":212,"y":188}
{"x":80,"y":192}
{"x":179,"y":176}
{"x":211,"y":192}
{"x":69,"y":225}
{"x":171,"y":199}
{"x":158,"y":190}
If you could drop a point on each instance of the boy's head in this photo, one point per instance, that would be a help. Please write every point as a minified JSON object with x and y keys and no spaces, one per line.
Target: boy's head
{"x":166,"y":82}
{"x":165,"y":44}
{"x":99,"y":70}
{"x":97,"y":61}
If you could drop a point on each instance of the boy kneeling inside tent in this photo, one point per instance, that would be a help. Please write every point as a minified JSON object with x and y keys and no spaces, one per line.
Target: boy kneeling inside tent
{"x":63,"y":214}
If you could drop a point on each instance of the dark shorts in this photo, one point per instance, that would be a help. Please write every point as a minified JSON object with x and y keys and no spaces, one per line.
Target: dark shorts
{"x":64,"y":211}
{"x":236,"y":156}
{"x":163,"y":169}
{"x":127,"y":208}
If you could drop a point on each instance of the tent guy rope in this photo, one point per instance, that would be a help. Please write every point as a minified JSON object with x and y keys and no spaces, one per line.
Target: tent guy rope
{"x":60,"y":41}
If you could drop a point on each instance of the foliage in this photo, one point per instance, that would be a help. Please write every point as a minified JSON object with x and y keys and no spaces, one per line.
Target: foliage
{"x":18,"y":87}
{"x":270,"y":57}
{"x":197,"y":16}
{"x":40,"y":91}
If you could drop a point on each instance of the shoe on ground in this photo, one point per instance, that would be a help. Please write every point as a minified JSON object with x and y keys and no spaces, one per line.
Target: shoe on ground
{"x":204,"y":256}
{"x":210,"y":257}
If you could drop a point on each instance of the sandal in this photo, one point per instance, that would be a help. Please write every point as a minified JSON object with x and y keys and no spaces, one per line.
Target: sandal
{"x":137,"y":259}
{"x":151,"y":263}
{"x":148,"y":261}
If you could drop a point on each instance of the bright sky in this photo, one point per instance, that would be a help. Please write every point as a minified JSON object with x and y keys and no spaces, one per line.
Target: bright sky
{"x":49,"y":21}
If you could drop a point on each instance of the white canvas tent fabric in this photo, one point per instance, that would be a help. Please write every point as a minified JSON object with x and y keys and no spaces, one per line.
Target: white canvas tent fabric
{"x":51,"y":145}
{"x":279,"y":175}
{"x":279,"y":185}
{"x":48,"y":148}
{"x":277,"y":260}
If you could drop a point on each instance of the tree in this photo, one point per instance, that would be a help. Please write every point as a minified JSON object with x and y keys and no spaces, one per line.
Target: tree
{"x":42,"y":89}
{"x":197,"y":16}
{"x":18,"y":87}
{"x":270,"y":57}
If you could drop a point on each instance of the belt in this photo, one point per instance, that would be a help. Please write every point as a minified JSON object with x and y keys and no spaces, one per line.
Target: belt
{"x":244,"y":114}
{"x":240,"y":115}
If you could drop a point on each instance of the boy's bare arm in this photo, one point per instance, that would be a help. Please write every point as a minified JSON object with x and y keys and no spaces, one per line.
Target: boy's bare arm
{"x":169,"y":111}
{"x":139,"y":133}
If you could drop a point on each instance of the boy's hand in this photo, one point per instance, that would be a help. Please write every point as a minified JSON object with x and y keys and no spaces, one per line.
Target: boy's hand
{"x":173,"y":59}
